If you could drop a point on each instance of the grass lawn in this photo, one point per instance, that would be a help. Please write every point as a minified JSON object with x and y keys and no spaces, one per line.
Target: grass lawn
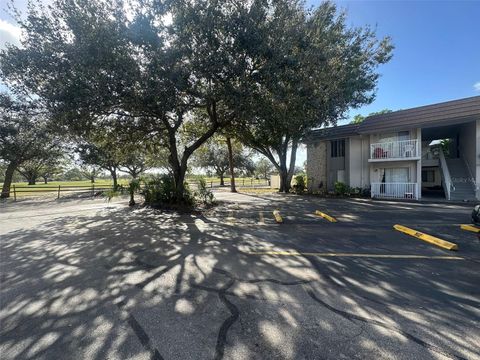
{"x":41,"y":189}
{"x":238,"y":180}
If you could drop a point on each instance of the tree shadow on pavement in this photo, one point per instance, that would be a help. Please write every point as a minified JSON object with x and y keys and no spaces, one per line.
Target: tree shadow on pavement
{"x":146,"y":284}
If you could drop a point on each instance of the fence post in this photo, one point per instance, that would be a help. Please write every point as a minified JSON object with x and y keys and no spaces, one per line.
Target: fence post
{"x":58,"y":196}
{"x":243,"y":182}
{"x":93,"y":190}
{"x":14,"y":193}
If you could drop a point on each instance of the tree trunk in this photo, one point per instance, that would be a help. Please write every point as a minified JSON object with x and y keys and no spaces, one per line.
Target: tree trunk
{"x":284,"y":185}
{"x":283,"y":172}
{"x":179,"y":178}
{"x":45,"y":180}
{"x":179,"y":167}
{"x":114,"y":177}
{"x":132,"y":198}
{"x":293,"y":156}
{"x":286,"y":173}
{"x":222,"y":180}
{"x":8,"y":180}
{"x":92,"y":179}
{"x":32,"y":180}
{"x":232,"y":165}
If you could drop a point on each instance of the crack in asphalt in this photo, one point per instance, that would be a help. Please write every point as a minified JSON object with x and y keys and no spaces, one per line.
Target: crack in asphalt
{"x":223,"y":292}
{"x":234,"y":312}
{"x":140,"y":333}
{"x":254,"y":281}
{"x":351,"y":317}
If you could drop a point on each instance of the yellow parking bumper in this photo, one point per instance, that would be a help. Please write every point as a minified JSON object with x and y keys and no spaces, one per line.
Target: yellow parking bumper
{"x":427,"y":238}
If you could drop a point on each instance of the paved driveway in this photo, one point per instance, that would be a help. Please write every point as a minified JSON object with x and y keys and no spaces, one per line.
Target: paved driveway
{"x":88,"y":280}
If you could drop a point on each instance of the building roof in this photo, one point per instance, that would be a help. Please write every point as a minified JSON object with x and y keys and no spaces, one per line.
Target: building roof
{"x":334,"y":132}
{"x":445,"y":113}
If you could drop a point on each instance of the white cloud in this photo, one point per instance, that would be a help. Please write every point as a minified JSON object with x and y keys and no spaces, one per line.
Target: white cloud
{"x":476,"y":86}
{"x":9,"y":34}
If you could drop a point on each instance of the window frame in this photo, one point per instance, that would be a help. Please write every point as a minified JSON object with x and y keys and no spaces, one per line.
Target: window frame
{"x":337,"y":148}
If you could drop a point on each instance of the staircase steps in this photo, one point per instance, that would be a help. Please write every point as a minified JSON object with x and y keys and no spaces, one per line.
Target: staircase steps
{"x":461,"y":180}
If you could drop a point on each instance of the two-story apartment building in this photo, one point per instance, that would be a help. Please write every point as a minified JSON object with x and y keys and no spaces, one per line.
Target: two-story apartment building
{"x":433,"y":149}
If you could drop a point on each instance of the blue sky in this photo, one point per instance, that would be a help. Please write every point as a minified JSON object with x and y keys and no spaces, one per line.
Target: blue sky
{"x":437,"y":50}
{"x":436,"y":56}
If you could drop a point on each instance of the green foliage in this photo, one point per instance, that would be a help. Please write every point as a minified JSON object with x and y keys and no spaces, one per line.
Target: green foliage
{"x":314,"y":69}
{"x":203,"y":193}
{"x":300,"y":184}
{"x":445,"y":145}
{"x":133,"y":187}
{"x":270,"y":69}
{"x":26,"y":138}
{"x":358,"y":119}
{"x":160,"y":191}
{"x":110,"y":194}
{"x":263,"y":168}
{"x":214,"y":154}
{"x":341,"y":188}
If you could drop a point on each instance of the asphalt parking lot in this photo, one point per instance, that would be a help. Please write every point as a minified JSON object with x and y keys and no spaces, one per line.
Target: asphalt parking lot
{"x":86,"y":279}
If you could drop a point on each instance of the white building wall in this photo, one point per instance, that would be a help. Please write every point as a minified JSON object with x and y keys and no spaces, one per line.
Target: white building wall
{"x":355,"y":162}
{"x":365,"y":171}
{"x":418,"y":163}
{"x":468,"y":146}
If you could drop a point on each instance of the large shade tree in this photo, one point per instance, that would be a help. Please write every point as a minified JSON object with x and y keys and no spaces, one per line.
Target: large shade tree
{"x":270,"y":67}
{"x":214,"y":154}
{"x":100,"y":154}
{"x":263,"y":168}
{"x":314,"y":69}
{"x":44,"y":164}
{"x":25,"y":136}
{"x":91,"y":59}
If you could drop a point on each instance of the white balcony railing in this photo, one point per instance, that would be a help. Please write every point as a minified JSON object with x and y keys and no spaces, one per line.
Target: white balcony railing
{"x":395,"y":190}
{"x":403,"y":149}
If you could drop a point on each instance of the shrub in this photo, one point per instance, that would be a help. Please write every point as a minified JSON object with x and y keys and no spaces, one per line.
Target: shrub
{"x":203,"y":194}
{"x":160,"y":191}
{"x":300,"y":184}
{"x":366,"y":192}
{"x":133,"y":187}
{"x":110,"y":194}
{"x":341,"y":188}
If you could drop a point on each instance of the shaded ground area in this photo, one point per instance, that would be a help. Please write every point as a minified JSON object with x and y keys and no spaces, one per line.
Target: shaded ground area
{"x":84,"y":279}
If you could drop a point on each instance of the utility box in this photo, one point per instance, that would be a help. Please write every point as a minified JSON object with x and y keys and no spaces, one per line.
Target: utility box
{"x":275,"y":181}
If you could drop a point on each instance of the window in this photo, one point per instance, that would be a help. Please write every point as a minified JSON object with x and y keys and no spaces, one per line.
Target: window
{"x":428,"y":176}
{"x":394,"y":175}
{"x":391,"y":137}
{"x":403,"y":135}
{"x":337,"y":148}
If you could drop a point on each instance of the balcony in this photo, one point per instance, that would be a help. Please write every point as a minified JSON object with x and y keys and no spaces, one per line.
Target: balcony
{"x":395,"y":150}
{"x":394,"y":190}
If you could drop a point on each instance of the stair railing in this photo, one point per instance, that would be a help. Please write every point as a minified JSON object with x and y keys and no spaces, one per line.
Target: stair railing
{"x":446,"y":179}
{"x":472,"y":178}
